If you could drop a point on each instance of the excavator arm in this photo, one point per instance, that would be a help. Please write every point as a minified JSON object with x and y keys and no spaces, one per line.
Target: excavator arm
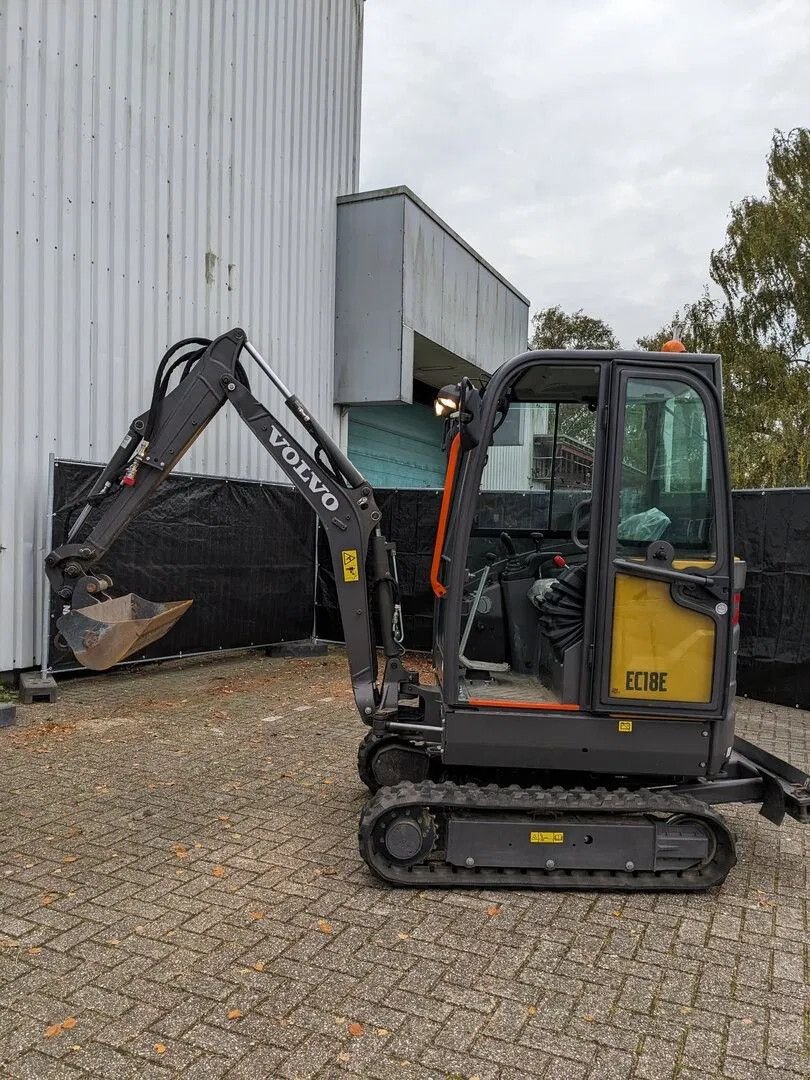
{"x":102,"y":630}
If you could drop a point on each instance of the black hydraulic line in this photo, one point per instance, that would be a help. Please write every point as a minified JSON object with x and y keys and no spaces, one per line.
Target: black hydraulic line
{"x":159,"y":389}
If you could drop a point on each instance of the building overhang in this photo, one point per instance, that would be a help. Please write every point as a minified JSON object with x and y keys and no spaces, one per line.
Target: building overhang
{"x":414,"y":302}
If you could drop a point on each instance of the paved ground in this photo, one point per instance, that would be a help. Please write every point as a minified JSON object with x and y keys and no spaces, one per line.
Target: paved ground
{"x":181,"y":895}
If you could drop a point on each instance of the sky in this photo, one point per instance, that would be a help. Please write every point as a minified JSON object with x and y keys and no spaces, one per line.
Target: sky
{"x":590,"y":151}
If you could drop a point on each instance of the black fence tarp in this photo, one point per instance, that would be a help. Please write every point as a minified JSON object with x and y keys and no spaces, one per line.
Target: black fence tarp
{"x":243,"y":551}
{"x":772,"y":534}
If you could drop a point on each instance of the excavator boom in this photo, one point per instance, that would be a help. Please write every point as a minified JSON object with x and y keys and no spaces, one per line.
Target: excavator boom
{"x":102,"y":630}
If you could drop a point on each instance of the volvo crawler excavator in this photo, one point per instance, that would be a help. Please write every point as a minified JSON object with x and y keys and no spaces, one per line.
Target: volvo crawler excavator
{"x":579,"y":732}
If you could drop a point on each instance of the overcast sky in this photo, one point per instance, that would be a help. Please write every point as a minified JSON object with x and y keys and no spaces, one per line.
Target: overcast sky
{"x":588,"y":150}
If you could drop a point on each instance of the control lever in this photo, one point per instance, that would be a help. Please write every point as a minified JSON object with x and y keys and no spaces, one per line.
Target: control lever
{"x":509,"y":544}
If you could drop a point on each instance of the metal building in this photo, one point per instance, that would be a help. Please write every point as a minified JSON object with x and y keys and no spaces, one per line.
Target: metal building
{"x":417,"y":307}
{"x":165,"y":170}
{"x":169,"y":170}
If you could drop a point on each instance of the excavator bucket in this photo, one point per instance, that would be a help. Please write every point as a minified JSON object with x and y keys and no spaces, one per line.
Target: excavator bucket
{"x":105,"y":633}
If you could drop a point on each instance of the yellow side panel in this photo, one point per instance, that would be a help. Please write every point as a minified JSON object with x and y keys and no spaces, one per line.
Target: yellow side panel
{"x":661,"y":651}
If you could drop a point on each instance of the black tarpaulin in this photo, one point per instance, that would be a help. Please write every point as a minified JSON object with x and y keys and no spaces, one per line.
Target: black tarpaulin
{"x":243,"y":551}
{"x":772,"y":535}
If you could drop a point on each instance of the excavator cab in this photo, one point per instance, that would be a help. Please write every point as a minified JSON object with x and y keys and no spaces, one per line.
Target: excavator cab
{"x":589,"y":554}
{"x":586,"y":581}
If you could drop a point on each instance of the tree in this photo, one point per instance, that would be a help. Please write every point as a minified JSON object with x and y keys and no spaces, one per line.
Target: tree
{"x":764,"y":266}
{"x":761,"y":326}
{"x":553,"y":328}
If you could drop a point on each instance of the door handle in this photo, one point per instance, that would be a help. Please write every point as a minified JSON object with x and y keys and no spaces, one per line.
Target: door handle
{"x":717,"y":586}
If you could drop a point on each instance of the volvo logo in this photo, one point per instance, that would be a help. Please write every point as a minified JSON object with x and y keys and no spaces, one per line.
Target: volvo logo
{"x":292,"y":458}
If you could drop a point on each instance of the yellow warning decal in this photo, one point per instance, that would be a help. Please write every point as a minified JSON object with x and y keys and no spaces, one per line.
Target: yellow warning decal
{"x":625,"y":725}
{"x":546,"y":838}
{"x":351,"y":571}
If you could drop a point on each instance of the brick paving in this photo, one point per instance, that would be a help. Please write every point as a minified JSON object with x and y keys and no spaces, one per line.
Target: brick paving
{"x":181,"y":895}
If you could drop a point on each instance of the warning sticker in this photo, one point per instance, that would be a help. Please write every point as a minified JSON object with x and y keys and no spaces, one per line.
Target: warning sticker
{"x":351,"y":571}
{"x":625,"y":725}
{"x":546,"y":838}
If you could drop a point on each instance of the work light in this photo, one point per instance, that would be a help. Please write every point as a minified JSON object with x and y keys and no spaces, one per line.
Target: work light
{"x":447,"y":400}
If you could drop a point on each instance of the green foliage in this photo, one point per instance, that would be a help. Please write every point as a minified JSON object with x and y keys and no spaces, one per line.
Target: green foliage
{"x":761,"y":326}
{"x":764,"y":266}
{"x":553,"y":328}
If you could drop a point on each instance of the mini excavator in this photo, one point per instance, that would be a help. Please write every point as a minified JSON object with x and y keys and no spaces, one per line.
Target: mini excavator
{"x":580,"y":729}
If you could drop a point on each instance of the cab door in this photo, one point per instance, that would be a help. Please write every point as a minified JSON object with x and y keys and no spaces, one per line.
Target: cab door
{"x":664,"y":602}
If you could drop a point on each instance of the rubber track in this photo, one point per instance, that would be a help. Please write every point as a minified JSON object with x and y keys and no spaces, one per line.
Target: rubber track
{"x":444,"y":798}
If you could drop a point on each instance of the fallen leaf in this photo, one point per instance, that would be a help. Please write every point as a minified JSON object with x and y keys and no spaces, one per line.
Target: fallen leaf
{"x":356,"y":1030}
{"x":257,"y":915}
{"x":403,"y":937}
{"x":325,"y":927}
{"x":747,"y":1020}
{"x":160,"y":1048}
{"x":234,"y":1014}
{"x":48,"y":899}
{"x":532,"y":1010}
{"x":344,"y":1056}
{"x":70,"y":858}
{"x":382,"y":1032}
{"x":493,"y":910}
{"x":69,"y":1024}
{"x":180,"y":851}
{"x":54,"y":1029}
{"x":35,"y":950}
{"x":76,"y":1047}
{"x":616,"y":914}
{"x":589,"y":1018}
{"x":219,"y":871}
{"x":259,"y":965}
{"x":224,"y":817}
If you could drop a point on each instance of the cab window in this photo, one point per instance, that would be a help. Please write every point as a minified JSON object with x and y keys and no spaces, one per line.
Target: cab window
{"x":666,"y":490}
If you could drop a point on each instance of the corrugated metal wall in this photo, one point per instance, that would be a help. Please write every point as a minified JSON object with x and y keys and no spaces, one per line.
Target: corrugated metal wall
{"x":165,"y":170}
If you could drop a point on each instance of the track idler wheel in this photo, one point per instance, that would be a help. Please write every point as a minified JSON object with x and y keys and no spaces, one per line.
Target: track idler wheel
{"x":387,"y":760}
{"x":406,"y":836}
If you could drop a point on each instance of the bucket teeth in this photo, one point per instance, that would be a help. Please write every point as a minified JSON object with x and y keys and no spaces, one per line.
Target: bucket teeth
{"x":105,"y":633}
